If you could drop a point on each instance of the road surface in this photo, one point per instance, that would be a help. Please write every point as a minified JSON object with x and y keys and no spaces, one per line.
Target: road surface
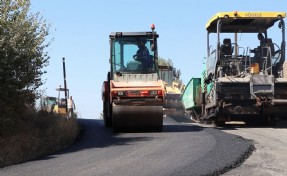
{"x":181,"y":149}
{"x":270,"y":156}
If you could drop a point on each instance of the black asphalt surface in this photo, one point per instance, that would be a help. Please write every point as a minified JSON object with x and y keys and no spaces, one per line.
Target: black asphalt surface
{"x":181,"y":149}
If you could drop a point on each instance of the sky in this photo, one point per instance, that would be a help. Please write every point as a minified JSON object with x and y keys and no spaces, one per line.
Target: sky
{"x":80,"y":33}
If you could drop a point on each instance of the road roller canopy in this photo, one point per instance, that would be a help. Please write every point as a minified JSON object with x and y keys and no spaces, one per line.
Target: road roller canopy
{"x":243,"y":22}
{"x":133,"y":52}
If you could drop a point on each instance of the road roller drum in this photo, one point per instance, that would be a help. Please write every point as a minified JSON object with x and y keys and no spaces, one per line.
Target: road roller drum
{"x":137,"y":118}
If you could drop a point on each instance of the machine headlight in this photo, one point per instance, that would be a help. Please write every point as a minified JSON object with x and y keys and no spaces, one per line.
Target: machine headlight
{"x":153,"y":92}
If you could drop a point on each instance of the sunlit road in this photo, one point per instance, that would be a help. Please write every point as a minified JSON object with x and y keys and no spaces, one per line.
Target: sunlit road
{"x":181,"y":149}
{"x":270,"y":156}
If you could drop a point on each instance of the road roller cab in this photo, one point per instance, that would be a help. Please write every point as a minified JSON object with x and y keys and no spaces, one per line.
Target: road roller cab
{"x":133,"y":94}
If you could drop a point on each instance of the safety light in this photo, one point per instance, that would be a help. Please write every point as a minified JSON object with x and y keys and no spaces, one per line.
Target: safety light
{"x":137,"y":93}
{"x":144,"y":92}
{"x":152,"y":27}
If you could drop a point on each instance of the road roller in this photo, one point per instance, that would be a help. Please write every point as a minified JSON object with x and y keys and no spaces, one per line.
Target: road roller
{"x":133,"y":94}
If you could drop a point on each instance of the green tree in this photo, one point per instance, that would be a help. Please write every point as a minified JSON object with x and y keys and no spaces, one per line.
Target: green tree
{"x":176,"y":72}
{"x":165,"y":62}
{"x":22,"y":55}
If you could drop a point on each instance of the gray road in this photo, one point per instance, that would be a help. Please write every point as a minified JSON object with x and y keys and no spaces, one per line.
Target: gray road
{"x":181,"y":149}
{"x":270,"y":156}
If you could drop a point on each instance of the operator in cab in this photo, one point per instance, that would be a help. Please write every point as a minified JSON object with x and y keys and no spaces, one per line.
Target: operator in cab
{"x":259,"y":50}
{"x":143,"y":55}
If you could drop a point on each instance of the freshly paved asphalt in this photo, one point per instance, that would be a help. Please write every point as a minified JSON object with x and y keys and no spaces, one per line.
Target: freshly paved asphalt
{"x":181,"y":149}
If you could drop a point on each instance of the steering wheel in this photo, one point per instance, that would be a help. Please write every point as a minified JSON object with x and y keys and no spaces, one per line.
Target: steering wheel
{"x":277,"y":55}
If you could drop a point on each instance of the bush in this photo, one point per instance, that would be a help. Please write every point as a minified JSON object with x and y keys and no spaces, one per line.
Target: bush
{"x":33,"y":135}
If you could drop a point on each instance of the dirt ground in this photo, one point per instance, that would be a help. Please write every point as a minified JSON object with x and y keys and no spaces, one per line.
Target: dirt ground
{"x":270,"y":156}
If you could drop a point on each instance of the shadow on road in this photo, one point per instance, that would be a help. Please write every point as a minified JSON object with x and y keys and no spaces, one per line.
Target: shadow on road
{"x":179,"y":118}
{"x":232,"y":148}
{"x":181,"y":128}
{"x":278,"y":124}
{"x":95,"y":135}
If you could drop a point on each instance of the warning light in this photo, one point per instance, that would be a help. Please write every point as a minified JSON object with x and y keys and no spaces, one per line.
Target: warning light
{"x":152,"y":27}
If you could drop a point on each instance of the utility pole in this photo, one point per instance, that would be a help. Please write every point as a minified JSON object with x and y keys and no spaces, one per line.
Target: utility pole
{"x":65,"y":85}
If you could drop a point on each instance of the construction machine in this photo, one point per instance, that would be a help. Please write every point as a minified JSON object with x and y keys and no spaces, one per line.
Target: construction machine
{"x":56,"y":105}
{"x":242,"y":79}
{"x":61,"y":105}
{"x":47,"y":103}
{"x":173,"y":88}
{"x":133,"y":94}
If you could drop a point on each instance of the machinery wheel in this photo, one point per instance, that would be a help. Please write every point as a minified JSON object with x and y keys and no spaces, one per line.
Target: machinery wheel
{"x":107,"y":114}
{"x":158,"y":128}
{"x":137,"y":118}
{"x":218,"y":122}
{"x":268,"y":120}
{"x":108,"y":107}
{"x":265,"y":120}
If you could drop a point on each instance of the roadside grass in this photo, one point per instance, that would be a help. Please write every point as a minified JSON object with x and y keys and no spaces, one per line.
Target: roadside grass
{"x":33,"y":135}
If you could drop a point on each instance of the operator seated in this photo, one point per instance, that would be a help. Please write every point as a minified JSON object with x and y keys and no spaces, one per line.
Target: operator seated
{"x":143,"y":55}
{"x":226,"y":49}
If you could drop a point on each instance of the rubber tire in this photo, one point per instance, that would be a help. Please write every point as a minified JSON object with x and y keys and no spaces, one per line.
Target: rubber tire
{"x":219,"y":123}
{"x":107,"y":118}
